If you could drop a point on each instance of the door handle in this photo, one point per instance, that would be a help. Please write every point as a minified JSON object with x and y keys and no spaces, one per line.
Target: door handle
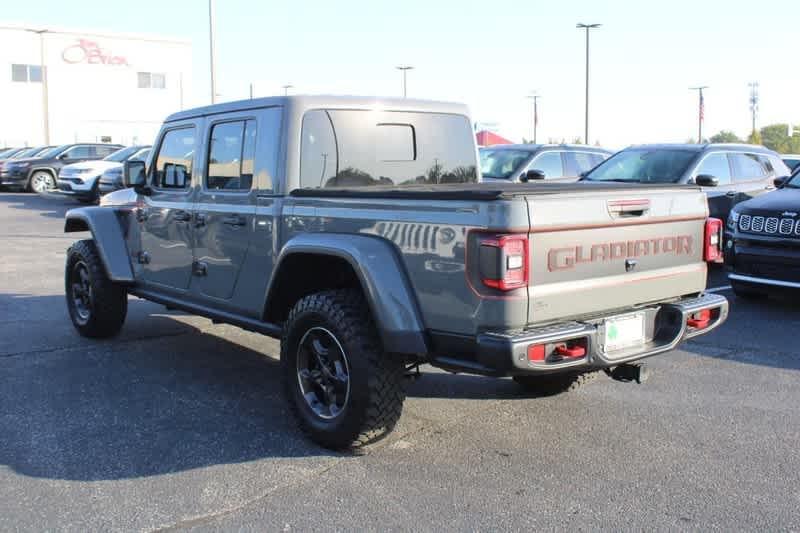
{"x":182,"y":216}
{"x":200,"y":220}
{"x":234,"y":220}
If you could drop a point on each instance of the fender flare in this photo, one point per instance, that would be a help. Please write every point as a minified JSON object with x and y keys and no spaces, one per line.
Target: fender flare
{"x":383,"y":279}
{"x":51,"y":170}
{"x":108,"y":236}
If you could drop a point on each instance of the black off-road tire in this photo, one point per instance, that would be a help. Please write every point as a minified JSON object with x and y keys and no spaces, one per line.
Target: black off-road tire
{"x":376,"y":386}
{"x":746,"y":292}
{"x":552,"y":384}
{"x":103,"y":311}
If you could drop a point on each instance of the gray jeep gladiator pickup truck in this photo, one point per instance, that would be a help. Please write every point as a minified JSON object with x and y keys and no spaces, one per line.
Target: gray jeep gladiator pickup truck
{"x":357,"y":231}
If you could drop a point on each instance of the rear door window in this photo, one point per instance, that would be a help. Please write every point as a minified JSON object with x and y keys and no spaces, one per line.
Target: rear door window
{"x":716,"y":165}
{"x":550,"y":163}
{"x":747,"y":167}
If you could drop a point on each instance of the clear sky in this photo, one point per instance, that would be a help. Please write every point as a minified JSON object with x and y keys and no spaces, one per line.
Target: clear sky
{"x":489,"y":54}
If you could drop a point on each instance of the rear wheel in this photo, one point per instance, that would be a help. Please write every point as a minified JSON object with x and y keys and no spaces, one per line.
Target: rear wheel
{"x":551,"y":384}
{"x":41,"y":181}
{"x":343,"y":389}
{"x":97,"y":306}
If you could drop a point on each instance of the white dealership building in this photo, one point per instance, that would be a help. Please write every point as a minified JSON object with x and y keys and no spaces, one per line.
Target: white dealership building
{"x":61,"y":86}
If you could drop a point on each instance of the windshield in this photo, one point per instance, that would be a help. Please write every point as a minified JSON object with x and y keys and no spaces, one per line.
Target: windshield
{"x":27,"y":152}
{"x":8,"y":152}
{"x":655,"y":165}
{"x":122,"y":154}
{"x":142,"y":154}
{"x":51,"y":152}
{"x":794,"y":179}
{"x":502,"y":164}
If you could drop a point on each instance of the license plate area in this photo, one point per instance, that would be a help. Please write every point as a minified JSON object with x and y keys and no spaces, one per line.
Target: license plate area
{"x":623,"y":332}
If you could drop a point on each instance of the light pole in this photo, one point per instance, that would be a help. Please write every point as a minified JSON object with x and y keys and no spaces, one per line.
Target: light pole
{"x":753,"y":102}
{"x":211,"y":50}
{"x":45,"y":87}
{"x":587,"y":27}
{"x":535,"y":97}
{"x":405,"y":69}
{"x":286,"y":89}
{"x":701,"y":111}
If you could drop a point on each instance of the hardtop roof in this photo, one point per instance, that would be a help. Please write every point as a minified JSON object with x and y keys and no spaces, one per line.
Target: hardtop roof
{"x":327,"y":102}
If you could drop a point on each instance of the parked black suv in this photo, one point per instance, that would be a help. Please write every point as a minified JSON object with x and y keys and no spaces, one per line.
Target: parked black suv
{"x":762,"y":249}
{"x":729,"y":173}
{"x":525,"y":162}
{"x":38,"y":173}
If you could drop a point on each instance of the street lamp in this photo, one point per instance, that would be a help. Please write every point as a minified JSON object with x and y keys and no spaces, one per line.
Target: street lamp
{"x":587,"y":27}
{"x":211,"y":50}
{"x":405,"y":69}
{"x":701,"y":104}
{"x":535,"y":97}
{"x":45,"y":99}
{"x":286,"y":89}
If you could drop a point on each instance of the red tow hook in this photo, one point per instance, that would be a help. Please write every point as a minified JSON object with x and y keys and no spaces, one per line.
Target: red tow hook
{"x":700,"y":319}
{"x":575,"y":351}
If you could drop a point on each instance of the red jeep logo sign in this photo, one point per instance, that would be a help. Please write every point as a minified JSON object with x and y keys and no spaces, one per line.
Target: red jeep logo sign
{"x":85,"y":51}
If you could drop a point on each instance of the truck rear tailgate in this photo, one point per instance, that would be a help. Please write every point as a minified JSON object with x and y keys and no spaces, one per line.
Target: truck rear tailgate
{"x":592,"y":252}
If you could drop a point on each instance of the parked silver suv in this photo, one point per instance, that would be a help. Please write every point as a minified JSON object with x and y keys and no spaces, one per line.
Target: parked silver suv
{"x":552,"y":162}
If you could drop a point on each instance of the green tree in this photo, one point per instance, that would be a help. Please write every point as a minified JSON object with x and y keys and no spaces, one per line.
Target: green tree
{"x":776,"y":137}
{"x":725,"y":136}
{"x":754,"y":138}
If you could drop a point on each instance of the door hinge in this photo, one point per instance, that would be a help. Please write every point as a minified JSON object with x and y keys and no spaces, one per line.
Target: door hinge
{"x":199,"y":268}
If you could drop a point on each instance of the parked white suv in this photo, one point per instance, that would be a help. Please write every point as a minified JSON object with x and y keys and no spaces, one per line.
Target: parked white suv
{"x":81,"y":180}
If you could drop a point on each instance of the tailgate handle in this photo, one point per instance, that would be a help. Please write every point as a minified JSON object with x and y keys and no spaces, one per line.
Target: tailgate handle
{"x":628,"y":208}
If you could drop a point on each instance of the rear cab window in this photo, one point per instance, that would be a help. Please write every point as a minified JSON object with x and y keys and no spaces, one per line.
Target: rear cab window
{"x":362,"y":148}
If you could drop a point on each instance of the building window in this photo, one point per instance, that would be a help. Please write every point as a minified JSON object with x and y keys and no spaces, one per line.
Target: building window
{"x":26,"y":73}
{"x":151,"y":80}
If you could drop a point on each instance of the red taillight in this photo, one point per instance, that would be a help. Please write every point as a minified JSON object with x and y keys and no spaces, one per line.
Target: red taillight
{"x":712,"y":246}
{"x":504,"y":262}
{"x":536,"y":353}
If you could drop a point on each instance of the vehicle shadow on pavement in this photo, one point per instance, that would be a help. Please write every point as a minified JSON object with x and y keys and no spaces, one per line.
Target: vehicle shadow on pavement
{"x":51,"y":206}
{"x":129,"y":408}
{"x":737,"y":339}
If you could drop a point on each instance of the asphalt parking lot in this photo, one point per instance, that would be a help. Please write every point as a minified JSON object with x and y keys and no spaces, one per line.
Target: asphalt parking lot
{"x":179,"y":423}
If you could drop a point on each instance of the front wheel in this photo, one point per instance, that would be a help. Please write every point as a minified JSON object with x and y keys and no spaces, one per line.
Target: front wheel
{"x":97,"y":306}
{"x":42,"y":181}
{"x":343,"y":389}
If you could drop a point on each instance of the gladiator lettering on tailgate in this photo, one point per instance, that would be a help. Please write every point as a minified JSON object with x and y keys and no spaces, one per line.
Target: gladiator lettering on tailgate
{"x":568,"y":257}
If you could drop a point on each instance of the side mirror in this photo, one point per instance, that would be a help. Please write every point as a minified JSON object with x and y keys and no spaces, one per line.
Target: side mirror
{"x":533,"y":174}
{"x":63,"y":156}
{"x":706,"y":180}
{"x":780,"y":182}
{"x":133,"y":173}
